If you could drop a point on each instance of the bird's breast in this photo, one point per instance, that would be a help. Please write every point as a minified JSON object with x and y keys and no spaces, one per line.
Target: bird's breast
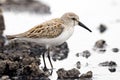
{"x":65,"y":35}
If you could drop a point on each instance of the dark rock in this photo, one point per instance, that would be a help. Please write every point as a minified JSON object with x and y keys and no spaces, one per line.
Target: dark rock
{"x":2,"y":24}
{"x":100,"y":43}
{"x":112,"y":69}
{"x":2,"y":42}
{"x":102,"y":28}
{"x":26,"y":66}
{"x":115,"y":50}
{"x":21,"y":66}
{"x":112,"y":63}
{"x":21,"y":60}
{"x":104,"y":63}
{"x":60,"y":52}
{"x":77,"y":54}
{"x":108,"y":63}
{"x":2,"y":28}
{"x":68,"y":74}
{"x":17,"y":46}
{"x":86,"y":54}
{"x":32,"y":6}
{"x":78,"y":65}
{"x":100,"y":46}
{"x":89,"y":74}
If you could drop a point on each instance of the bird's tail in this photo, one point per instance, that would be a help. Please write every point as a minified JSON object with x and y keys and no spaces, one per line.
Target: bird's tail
{"x":9,"y":37}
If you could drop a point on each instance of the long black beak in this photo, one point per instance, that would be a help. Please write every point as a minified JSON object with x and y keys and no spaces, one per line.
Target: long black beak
{"x":82,"y":25}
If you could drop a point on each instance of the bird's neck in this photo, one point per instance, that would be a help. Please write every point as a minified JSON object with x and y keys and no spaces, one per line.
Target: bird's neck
{"x":69,"y":23}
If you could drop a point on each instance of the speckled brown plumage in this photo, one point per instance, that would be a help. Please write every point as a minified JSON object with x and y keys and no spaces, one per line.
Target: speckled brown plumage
{"x":49,"y":29}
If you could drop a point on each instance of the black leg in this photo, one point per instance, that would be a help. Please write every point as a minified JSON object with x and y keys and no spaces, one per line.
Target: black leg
{"x":45,"y":67}
{"x":50,"y":61}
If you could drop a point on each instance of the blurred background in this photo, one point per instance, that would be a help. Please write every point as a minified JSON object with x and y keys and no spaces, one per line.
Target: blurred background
{"x":21,"y":15}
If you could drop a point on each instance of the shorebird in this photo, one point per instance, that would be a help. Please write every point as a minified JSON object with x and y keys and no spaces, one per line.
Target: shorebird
{"x":52,"y":33}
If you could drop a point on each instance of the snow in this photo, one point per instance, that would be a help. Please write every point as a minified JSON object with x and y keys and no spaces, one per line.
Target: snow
{"x":91,"y":13}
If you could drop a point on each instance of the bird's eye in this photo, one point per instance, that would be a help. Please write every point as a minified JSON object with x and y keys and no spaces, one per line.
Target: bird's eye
{"x":73,"y":18}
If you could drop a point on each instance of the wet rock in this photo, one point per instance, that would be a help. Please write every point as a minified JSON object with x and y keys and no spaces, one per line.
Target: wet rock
{"x":86,"y":54}
{"x":2,"y":28}
{"x":21,"y":60}
{"x":32,"y":6}
{"x":108,"y":63}
{"x":18,"y":46}
{"x":60,"y":52}
{"x":68,"y":74}
{"x":78,"y":65}
{"x":100,"y":46}
{"x":2,"y":42}
{"x":17,"y":61}
{"x":21,"y":66}
{"x":115,"y":50}
{"x":112,"y":69}
{"x":33,"y":49}
{"x":2,"y":24}
{"x":102,"y":28}
{"x":89,"y":74}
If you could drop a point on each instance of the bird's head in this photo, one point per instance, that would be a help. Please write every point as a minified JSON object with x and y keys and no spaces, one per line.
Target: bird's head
{"x":73,"y":19}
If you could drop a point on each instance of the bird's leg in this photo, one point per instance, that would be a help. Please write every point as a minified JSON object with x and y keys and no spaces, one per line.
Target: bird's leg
{"x":45,"y":67}
{"x":50,"y":60}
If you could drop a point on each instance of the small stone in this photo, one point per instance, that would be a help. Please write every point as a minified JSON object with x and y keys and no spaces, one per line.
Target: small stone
{"x":104,"y":63}
{"x":68,"y":74}
{"x":77,"y":54}
{"x":78,"y":65}
{"x":112,"y":63}
{"x":100,"y":43}
{"x":102,"y":28}
{"x":115,"y":50}
{"x":100,"y":46}
{"x":111,"y":69}
{"x":86,"y":54}
{"x":108,"y":63}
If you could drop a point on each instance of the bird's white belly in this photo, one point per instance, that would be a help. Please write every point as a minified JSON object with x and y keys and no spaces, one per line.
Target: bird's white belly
{"x":53,"y":41}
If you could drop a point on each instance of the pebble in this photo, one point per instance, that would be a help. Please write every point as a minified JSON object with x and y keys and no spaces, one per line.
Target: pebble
{"x":77,"y":54}
{"x":100,"y":46}
{"x":102,"y":28}
{"x":86,"y":54}
{"x":68,"y":74}
{"x":115,"y":50}
{"x":78,"y":65}
{"x":112,"y":69}
{"x":108,"y":63}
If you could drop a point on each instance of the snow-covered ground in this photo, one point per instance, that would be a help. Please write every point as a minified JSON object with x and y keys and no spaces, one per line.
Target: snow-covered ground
{"x":91,"y":13}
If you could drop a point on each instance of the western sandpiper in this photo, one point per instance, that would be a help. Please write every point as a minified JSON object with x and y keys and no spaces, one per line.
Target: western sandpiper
{"x":51,"y":33}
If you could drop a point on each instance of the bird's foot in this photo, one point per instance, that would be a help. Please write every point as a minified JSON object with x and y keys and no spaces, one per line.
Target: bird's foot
{"x":45,"y":69}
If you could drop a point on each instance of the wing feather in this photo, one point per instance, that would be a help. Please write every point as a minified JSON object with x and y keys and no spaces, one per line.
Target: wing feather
{"x":49,"y":29}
